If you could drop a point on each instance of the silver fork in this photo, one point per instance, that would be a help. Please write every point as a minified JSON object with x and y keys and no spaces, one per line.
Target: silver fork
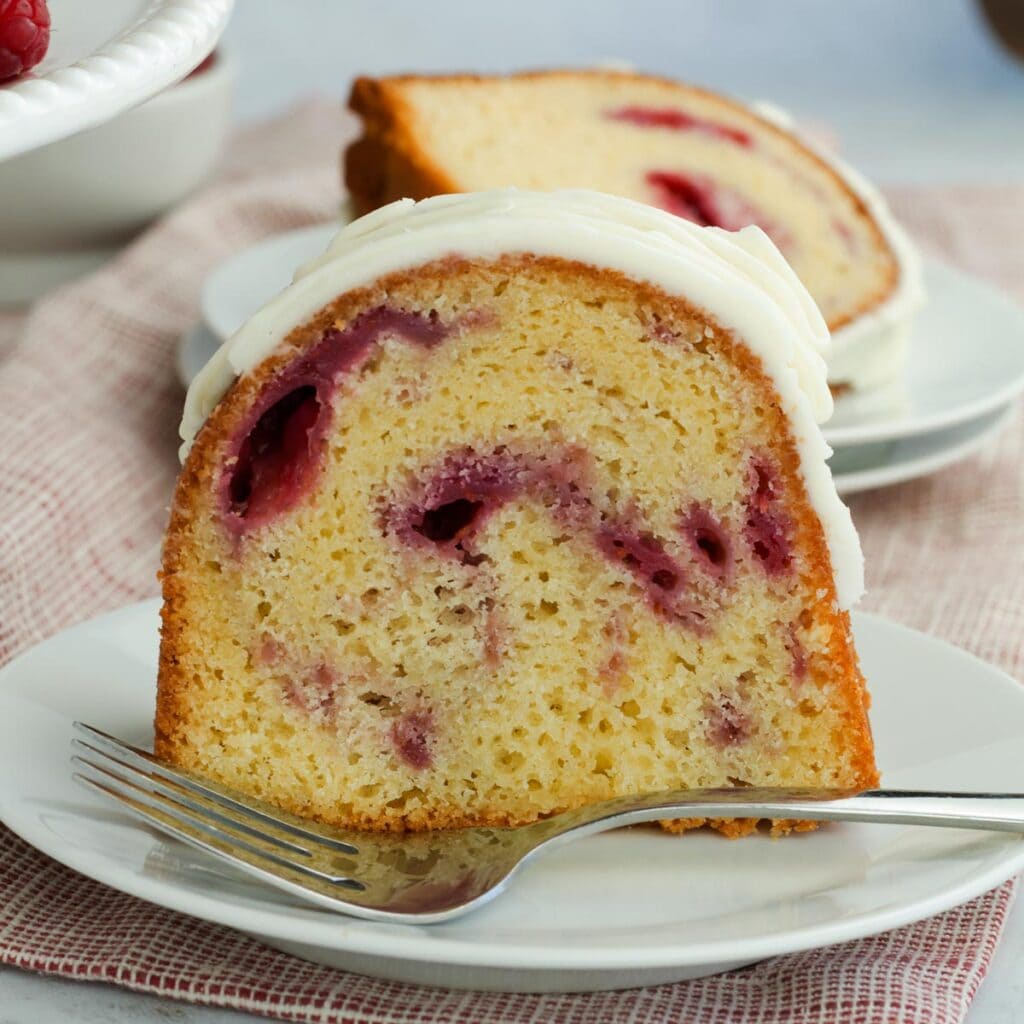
{"x":424,"y":877}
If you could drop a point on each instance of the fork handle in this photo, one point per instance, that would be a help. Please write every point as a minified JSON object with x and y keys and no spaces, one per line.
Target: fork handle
{"x":998,"y":812}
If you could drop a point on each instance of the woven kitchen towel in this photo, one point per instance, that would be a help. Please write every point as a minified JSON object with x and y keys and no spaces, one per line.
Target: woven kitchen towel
{"x":88,"y":414}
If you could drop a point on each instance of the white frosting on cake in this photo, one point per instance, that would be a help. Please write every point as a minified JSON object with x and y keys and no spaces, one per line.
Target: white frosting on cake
{"x":739,"y":278}
{"x":871,"y":349}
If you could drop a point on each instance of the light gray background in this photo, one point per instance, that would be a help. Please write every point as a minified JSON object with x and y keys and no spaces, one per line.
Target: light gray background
{"x":914,"y":91}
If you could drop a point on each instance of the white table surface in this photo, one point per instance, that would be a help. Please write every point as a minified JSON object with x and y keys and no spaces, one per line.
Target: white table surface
{"x":915,"y":91}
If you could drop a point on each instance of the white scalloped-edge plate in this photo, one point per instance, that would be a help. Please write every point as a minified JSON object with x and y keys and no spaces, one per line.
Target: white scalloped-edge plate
{"x":105,"y":58}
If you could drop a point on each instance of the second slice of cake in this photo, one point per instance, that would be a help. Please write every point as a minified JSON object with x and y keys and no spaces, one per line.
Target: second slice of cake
{"x":692,"y":152}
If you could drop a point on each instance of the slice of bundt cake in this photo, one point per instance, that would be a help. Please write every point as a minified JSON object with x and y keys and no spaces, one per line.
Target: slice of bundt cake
{"x":688,"y":151}
{"x":512,"y":502}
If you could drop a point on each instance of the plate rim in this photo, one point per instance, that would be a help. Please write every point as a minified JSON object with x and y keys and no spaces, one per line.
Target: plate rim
{"x":349,"y":935}
{"x":892,"y":475}
{"x":148,"y":54}
{"x":883,"y":430}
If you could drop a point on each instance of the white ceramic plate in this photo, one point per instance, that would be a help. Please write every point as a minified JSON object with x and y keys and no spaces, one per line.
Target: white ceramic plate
{"x":631,"y":908}
{"x":966,"y":351}
{"x":884,"y":463}
{"x":858,"y":467}
{"x":105,"y":58}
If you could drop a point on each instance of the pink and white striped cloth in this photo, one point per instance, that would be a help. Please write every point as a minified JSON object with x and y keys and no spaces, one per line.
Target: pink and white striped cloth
{"x":89,"y":407}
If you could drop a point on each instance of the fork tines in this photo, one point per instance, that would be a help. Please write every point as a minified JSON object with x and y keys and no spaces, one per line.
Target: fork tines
{"x":262,"y":840}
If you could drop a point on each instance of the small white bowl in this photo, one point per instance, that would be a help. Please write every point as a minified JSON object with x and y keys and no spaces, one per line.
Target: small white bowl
{"x":68,"y":206}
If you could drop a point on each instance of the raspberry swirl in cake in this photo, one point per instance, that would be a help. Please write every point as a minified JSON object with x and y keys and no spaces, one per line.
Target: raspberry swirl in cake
{"x":511,"y":502}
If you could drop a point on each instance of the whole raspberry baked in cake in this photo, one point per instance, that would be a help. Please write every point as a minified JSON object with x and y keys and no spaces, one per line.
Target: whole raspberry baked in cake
{"x":512,"y":502}
{"x":688,"y":151}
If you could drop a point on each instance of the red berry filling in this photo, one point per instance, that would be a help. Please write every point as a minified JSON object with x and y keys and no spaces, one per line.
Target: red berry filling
{"x":613,"y":668}
{"x":278,"y":453}
{"x":679,"y":121}
{"x":698,"y":199}
{"x":450,"y":521}
{"x":454,"y":503}
{"x":767,"y":525}
{"x":465,"y":492}
{"x":269,"y":651}
{"x":728,"y":724}
{"x":315,"y":692}
{"x":798,"y":654}
{"x":711,"y":544}
{"x":662,"y":577}
{"x":412,"y":737}
{"x":276,"y":458}
{"x":495,"y":639}
{"x":691,"y":197}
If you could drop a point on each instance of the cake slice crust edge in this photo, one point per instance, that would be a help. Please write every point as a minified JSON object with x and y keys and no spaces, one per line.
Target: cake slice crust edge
{"x":174,"y":711}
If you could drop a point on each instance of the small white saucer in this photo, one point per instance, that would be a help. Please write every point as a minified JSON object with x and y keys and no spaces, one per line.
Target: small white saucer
{"x":966,"y":353}
{"x":621,"y":910}
{"x":864,"y":467}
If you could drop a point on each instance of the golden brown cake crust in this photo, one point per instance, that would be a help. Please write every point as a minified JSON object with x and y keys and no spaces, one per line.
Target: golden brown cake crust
{"x":196,"y":481}
{"x":387,"y":163}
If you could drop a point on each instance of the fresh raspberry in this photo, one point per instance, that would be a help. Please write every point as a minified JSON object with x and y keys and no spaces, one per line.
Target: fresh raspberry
{"x":24,"y":35}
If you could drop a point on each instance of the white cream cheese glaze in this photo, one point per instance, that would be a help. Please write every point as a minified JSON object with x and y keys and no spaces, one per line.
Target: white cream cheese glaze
{"x":870,"y":349}
{"x":739,"y":278}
